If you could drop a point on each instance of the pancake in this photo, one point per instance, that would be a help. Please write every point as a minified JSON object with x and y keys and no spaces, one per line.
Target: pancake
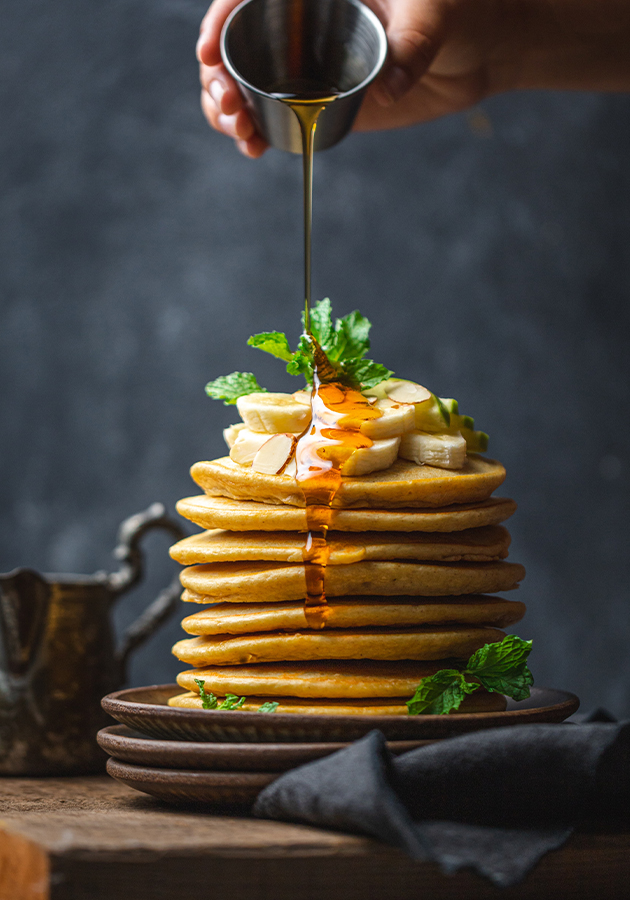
{"x":356,"y":612}
{"x":481,"y":544}
{"x":480,"y":701}
{"x":247,"y":515}
{"x":339,"y":679}
{"x":365,"y":643}
{"x":248,"y":582}
{"x":403,"y":484}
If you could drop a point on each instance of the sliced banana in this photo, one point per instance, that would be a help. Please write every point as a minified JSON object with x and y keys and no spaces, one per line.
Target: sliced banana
{"x":231,"y":433}
{"x":303,"y":397}
{"x":396,"y":419}
{"x":381,"y":455}
{"x":275,"y":454}
{"x":247,"y":445}
{"x":432,"y":415}
{"x":446,"y":451}
{"x":273,"y":413}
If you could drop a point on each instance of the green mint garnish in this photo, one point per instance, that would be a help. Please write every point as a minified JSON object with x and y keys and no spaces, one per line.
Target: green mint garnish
{"x":211,"y":701}
{"x":208,"y":699}
{"x":230,"y":387}
{"x":500,"y":667}
{"x":344,"y":343}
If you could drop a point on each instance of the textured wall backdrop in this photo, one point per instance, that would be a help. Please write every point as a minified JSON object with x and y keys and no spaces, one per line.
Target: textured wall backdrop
{"x":138,"y":251}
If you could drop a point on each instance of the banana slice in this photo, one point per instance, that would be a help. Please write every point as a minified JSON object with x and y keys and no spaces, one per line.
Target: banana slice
{"x":433,"y":415}
{"x":381,"y":455}
{"x":273,"y":413}
{"x":303,"y":397}
{"x":232,"y":432}
{"x":396,"y":419}
{"x":446,"y":451}
{"x":275,"y":454}
{"x":247,"y":445}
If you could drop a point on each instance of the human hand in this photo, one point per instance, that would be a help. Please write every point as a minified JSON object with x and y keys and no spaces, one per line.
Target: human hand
{"x":447,"y":55}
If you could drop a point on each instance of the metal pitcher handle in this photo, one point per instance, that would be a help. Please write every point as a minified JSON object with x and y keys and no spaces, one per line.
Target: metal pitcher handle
{"x":129,"y":553}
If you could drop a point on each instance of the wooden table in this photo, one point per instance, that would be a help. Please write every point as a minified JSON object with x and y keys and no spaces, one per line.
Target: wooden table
{"x":94,"y":839}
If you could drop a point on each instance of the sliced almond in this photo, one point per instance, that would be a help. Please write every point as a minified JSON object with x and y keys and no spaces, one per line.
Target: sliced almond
{"x":408,"y":392}
{"x":246,"y":446}
{"x":275,"y":454}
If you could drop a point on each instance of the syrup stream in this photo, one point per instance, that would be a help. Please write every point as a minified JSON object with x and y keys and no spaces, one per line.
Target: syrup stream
{"x":337,"y":411}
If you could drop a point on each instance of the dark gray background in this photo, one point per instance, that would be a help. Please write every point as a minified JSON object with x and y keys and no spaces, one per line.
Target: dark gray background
{"x":139,"y":251}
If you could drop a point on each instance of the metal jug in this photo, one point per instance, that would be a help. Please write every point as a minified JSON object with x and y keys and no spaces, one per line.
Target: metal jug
{"x":58,"y":656}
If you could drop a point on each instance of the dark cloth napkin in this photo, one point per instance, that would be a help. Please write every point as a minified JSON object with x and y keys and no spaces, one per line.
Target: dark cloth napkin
{"x":494,"y":800}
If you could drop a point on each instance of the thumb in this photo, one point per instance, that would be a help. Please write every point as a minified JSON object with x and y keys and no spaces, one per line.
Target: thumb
{"x":415,"y":30}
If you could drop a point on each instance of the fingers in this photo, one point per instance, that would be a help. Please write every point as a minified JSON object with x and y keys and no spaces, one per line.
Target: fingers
{"x":415,"y":29}
{"x":208,"y":50}
{"x":237,"y":125}
{"x":221,"y":101}
{"x":221,"y":88}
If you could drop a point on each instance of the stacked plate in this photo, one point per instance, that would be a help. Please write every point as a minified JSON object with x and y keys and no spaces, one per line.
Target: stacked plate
{"x":227,"y":757}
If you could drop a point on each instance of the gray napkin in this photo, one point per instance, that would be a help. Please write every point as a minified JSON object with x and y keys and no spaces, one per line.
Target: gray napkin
{"x":494,"y":800}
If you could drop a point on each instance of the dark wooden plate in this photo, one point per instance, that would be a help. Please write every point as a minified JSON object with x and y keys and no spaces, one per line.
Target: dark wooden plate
{"x":145,"y":709}
{"x":189,"y":786}
{"x":133,"y":747}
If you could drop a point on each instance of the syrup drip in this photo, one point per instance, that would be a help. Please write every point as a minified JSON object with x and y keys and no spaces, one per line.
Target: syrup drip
{"x":337,"y":411}
{"x":332,"y":437}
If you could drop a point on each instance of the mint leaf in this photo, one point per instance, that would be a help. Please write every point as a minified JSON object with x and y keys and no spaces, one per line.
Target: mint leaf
{"x":440,"y":693}
{"x":230,"y":387}
{"x":269,"y":707}
{"x":351,"y":336}
{"x":321,"y":323}
{"x":365,"y":372}
{"x":208,"y":699}
{"x":302,"y":360}
{"x":274,"y":342}
{"x":502,"y":667}
{"x":232,"y":701}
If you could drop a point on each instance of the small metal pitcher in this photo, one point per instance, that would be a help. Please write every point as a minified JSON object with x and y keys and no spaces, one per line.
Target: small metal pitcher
{"x":267,"y":43}
{"x":58,"y":656}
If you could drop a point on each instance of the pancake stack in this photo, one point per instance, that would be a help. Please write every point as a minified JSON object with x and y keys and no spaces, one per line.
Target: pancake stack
{"x":414,"y":552}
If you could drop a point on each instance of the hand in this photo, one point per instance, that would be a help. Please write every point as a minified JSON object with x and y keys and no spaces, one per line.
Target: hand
{"x":447,"y":55}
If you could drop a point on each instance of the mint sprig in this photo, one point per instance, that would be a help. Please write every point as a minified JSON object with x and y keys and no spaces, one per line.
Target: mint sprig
{"x":231,"y":701}
{"x":211,"y":701}
{"x":500,"y":667}
{"x":344,"y":343}
{"x":230,"y":387}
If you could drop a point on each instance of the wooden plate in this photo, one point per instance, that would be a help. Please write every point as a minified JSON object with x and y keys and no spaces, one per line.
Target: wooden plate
{"x":145,"y":709}
{"x":133,"y":747}
{"x":187,"y":786}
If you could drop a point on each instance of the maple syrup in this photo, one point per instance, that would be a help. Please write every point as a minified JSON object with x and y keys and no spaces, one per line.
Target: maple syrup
{"x":307,"y":97}
{"x":333,"y":435}
{"x":337,"y":411}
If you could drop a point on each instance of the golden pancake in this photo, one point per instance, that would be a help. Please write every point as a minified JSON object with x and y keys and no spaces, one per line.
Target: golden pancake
{"x":481,"y":544}
{"x":356,"y":612}
{"x":403,"y":484}
{"x":252,"y":582}
{"x":473,"y":703}
{"x":247,"y":515}
{"x":375,"y":643}
{"x":340,"y":679}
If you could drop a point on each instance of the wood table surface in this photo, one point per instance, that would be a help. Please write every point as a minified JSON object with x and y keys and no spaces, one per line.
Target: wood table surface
{"x":91,"y":838}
